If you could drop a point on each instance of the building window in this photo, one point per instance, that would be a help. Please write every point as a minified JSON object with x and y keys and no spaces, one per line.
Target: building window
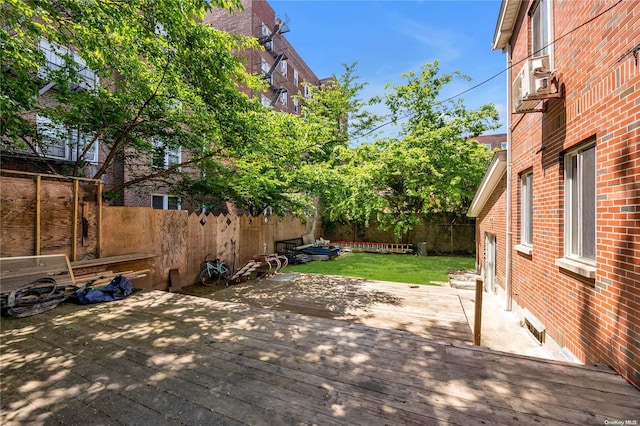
{"x":526,"y":206}
{"x":265,"y":70}
{"x":64,"y":143}
{"x":164,"y":157}
{"x":165,"y":202}
{"x":296,"y":78}
{"x":541,"y":34}
{"x":296,"y":105}
{"x":55,"y":60}
{"x":488,"y":146}
{"x":265,"y":101}
{"x":284,"y":98}
{"x":503,"y":145}
{"x":266,"y":32}
{"x":307,"y":91}
{"x":283,"y":68}
{"x":580,"y":202}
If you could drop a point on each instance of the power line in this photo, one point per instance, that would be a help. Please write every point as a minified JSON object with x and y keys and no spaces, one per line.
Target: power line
{"x":408,"y":115}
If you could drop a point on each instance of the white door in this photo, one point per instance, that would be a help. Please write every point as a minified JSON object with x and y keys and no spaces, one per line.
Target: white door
{"x":490,"y":262}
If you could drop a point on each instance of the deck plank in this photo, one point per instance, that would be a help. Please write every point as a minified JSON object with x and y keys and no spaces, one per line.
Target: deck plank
{"x":169,"y":358}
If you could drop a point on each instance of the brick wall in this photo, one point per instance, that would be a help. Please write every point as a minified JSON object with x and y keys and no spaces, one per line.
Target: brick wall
{"x":492,"y":220}
{"x":598,"y":320}
{"x":249,"y":22}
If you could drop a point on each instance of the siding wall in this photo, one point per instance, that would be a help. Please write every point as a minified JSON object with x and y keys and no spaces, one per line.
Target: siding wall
{"x":597,"y":320}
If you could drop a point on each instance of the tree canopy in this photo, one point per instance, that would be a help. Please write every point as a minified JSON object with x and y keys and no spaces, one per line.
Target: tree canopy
{"x":432,"y":167}
{"x":167,"y":82}
{"x":165,"y":79}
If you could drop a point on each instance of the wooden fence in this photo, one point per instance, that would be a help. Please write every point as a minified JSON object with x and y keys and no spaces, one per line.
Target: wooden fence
{"x":41,"y":214}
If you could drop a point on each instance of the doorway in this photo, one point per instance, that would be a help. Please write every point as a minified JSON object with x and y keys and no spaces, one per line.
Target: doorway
{"x":490,"y":268}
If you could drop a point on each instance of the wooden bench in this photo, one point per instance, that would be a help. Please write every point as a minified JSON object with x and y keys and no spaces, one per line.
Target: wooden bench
{"x":18,"y":272}
{"x":100,"y":271}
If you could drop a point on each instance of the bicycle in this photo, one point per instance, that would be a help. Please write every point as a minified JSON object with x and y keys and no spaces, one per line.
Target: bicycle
{"x":214,"y":271}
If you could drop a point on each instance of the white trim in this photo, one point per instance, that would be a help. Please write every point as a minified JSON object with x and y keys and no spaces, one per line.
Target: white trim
{"x":527,"y":250}
{"x":57,"y":135}
{"x":568,"y":198}
{"x":526,"y":208}
{"x":506,"y":23}
{"x":580,"y":268}
{"x":489,"y":182}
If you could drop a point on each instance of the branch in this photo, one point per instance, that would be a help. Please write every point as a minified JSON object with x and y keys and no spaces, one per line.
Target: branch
{"x":120,"y":142}
{"x":159,"y":174}
{"x":35,"y":151}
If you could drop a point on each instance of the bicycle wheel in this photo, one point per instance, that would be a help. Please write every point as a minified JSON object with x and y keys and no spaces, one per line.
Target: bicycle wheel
{"x":225,"y":272}
{"x":209,"y":277}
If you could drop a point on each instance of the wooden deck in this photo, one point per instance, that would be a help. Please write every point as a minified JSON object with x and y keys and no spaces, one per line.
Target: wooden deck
{"x":161,"y":358}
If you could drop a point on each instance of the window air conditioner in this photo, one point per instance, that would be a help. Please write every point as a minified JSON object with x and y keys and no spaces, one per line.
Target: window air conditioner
{"x":531,"y":84}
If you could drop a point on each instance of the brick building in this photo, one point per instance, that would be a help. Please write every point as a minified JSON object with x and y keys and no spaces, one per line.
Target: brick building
{"x":285,"y":70}
{"x":491,"y":142}
{"x":282,"y":66}
{"x":558,"y":215}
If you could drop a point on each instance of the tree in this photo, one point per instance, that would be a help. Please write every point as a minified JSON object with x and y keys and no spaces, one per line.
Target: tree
{"x":432,"y":167}
{"x":286,"y":162}
{"x":165,"y":81}
{"x":337,"y":112}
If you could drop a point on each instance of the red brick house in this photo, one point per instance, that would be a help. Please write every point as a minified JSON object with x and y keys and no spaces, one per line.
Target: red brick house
{"x":558,"y":214}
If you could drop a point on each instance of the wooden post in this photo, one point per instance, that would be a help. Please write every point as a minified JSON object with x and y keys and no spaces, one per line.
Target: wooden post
{"x":74,"y":221}
{"x":477,"y":322}
{"x":99,"y":223}
{"x":38,"y":214}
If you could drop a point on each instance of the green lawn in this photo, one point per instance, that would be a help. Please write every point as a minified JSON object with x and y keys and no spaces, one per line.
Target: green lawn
{"x":388,"y":267}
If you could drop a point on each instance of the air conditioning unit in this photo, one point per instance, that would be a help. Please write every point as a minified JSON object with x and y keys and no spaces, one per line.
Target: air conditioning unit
{"x":531,"y":84}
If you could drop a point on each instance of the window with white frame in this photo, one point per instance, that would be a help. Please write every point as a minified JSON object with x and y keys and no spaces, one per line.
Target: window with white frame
{"x":55,"y":60}
{"x":283,"y":67}
{"x":488,"y":146}
{"x":265,"y":101}
{"x":503,"y":145}
{"x":284,"y":98}
{"x":541,"y":28}
{"x":65,"y":143}
{"x":307,"y":91}
{"x":526,"y":209}
{"x":580,"y":204}
{"x":296,"y":77}
{"x":265,"y":33}
{"x":265,"y":69}
{"x":296,"y":105}
{"x":164,"y":157}
{"x":165,"y":202}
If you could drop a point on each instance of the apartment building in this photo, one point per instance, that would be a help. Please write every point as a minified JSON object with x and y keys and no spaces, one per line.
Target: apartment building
{"x":558,"y":214}
{"x":282,"y":67}
{"x":287,"y":73}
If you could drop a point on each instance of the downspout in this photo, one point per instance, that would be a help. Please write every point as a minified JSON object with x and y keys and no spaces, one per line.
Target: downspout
{"x":507,"y":284}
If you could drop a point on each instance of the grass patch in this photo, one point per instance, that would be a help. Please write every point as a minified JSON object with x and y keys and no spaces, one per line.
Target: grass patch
{"x":388,"y":267}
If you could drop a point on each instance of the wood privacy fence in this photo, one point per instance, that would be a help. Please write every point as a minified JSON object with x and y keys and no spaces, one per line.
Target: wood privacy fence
{"x":43,"y":214}
{"x":436,"y":238}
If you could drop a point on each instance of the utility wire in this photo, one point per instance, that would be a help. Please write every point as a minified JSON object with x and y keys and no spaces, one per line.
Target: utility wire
{"x":410,"y":114}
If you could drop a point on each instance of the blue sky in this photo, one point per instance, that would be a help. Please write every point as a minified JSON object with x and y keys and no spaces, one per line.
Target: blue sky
{"x":389,"y":38}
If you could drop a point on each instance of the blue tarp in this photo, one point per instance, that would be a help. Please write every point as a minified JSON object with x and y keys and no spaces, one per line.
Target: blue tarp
{"x":119,"y":288}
